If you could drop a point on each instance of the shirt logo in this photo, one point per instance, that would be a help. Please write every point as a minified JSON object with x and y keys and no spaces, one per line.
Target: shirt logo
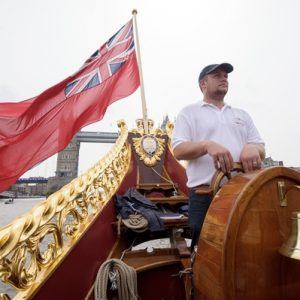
{"x":238,"y":121}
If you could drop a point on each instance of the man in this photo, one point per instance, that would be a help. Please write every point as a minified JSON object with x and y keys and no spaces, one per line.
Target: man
{"x":211,"y":134}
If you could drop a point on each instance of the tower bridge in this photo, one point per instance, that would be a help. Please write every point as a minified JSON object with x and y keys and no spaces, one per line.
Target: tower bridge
{"x":67,"y":159}
{"x":96,"y":137}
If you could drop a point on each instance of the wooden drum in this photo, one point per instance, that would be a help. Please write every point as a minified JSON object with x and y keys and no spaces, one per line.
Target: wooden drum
{"x":237,"y":256}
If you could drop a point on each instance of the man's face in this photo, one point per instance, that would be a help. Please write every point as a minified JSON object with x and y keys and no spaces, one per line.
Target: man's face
{"x":215,"y":83}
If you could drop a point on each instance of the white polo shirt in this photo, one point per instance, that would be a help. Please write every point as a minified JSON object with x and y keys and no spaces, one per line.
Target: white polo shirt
{"x":230,"y":127}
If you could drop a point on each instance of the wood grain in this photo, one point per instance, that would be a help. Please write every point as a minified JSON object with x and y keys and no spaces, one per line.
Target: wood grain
{"x":245,"y":226}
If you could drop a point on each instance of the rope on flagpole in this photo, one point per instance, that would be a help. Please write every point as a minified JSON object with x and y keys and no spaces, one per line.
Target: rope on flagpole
{"x":139,"y":61}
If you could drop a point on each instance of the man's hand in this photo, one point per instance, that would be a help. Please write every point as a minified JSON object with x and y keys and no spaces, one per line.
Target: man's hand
{"x":251,"y":157}
{"x":221,"y":156}
{"x":191,"y":150}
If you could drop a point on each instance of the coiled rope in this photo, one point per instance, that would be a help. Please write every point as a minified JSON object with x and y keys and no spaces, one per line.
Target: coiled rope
{"x":122,"y":278}
{"x":137,"y":223}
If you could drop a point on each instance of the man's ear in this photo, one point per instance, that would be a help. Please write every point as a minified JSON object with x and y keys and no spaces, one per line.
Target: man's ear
{"x":201,"y":84}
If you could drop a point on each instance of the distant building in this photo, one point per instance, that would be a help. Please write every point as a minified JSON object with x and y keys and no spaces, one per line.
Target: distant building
{"x":32,"y":186}
{"x":269,"y":162}
{"x":66,"y":166}
{"x":164,"y":122}
{"x":36,"y":189}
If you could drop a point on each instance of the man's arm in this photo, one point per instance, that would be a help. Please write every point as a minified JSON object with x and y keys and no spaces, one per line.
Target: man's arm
{"x":252,"y":156}
{"x":191,"y":150}
{"x":254,"y":151}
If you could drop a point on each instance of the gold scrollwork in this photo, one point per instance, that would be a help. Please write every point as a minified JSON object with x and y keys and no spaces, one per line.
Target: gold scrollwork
{"x":22,"y":268}
{"x":60,"y":221}
{"x":151,"y":157}
{"x":169,"y":129}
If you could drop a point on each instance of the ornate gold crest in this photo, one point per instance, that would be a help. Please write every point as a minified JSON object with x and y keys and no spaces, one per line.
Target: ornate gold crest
{"x":149,"y":148}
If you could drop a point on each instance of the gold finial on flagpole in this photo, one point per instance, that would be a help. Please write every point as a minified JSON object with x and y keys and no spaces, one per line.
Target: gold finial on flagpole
{"x":139,"y":61}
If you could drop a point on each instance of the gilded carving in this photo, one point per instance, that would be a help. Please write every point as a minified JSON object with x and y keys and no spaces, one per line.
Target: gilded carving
{"x":149,"y":148}
{"x":169,"y":129}
{"x":21,"y":269}
{"x":60,"y":220}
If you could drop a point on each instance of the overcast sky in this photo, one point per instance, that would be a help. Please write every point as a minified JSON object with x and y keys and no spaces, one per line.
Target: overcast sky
{"x":42,"y":42}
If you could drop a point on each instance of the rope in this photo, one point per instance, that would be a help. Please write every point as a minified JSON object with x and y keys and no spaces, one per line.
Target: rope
{"x":168,"y":180}
{"x":136,"y":222}
{"x":128,"y":249}
{"x":122,"y":278}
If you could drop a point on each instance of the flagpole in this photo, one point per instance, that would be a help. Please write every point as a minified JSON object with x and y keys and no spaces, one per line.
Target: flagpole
{"x":139,"y":61}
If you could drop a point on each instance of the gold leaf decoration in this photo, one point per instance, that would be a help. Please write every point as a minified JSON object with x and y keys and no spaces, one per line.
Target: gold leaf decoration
{"x":59,"y":221}
{"x":151,"y":154}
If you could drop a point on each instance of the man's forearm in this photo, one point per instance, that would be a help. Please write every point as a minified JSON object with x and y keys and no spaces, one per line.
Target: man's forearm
{"x":221,"y":156}
{"x":190,"y":150}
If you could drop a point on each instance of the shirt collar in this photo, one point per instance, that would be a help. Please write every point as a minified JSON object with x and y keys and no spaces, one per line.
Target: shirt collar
{"x":203,"y":103}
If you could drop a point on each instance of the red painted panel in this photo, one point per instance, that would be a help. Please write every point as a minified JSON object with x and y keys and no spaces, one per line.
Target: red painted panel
{"x":74,"y":277}
{"x":160,"y":284}
{"x":131,"y":177}
{"x":176,"y":171}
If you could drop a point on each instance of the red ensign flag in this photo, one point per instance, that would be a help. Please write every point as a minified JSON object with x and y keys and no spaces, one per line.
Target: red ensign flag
{"x":35,"y":129}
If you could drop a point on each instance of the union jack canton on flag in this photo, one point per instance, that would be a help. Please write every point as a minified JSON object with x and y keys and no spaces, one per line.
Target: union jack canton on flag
{"x":105,"y":62}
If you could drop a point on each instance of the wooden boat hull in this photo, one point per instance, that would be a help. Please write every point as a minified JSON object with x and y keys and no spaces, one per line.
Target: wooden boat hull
{"x":237,"y":255}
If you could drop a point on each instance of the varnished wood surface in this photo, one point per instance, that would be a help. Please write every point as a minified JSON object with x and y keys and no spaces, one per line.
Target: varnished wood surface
{"x":169,"y":200}
{"x":182,"y":222}
{"x":141,"y":260}
{"x":238,"y":254}
{"x":160,"y":185}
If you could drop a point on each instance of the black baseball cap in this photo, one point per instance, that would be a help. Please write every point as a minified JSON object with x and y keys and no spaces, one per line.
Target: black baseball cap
{"x":210,"y":68}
